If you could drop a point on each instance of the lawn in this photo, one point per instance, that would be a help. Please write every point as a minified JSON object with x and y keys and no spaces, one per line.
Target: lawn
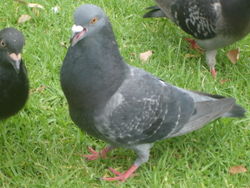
{"x":41,"y":146}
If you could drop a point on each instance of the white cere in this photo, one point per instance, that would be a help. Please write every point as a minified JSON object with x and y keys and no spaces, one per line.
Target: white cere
{"x":77,"y":28}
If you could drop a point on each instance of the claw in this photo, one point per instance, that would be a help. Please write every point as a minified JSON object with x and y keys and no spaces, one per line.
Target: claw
{"x":213,"y":72}
{"x":93,"y":156}
{"x":194,"y":45}
{"x":96,"y":155}
{"x":91,"y":150}
{"x":121,"y":176}
{"x":115,"y":172}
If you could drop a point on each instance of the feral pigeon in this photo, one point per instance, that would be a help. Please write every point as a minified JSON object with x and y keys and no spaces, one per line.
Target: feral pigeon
{"x":123,"y":105}
{"x":14,"y":87}
{"x":214,"y":23}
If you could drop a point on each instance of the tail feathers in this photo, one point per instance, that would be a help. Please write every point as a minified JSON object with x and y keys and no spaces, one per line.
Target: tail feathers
{"x":155,"y":12}
{"x":236,"y":111}
{"x":207,"y":111}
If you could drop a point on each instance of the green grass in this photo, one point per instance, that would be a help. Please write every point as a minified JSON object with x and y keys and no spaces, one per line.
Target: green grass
{"x":41,"y":146}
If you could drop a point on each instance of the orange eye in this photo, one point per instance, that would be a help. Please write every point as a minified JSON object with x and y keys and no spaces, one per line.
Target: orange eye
{"x":2,"y":44}
{"x":93,"y":20}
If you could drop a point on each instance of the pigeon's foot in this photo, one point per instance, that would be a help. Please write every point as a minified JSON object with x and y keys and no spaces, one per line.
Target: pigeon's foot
{"x":213,"y":72}
{"x":95,"y":154}
{"x":194,"y":45}
{"x":121,"y":176}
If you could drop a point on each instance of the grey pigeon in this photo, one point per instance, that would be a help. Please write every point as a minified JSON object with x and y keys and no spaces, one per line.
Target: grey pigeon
{"x":124,"y":105}
{"x":14,"y":85}
{"x":214,"y":23}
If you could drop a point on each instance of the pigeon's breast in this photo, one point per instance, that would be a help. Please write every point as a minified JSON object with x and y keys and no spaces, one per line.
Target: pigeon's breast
{"x":14,"y":90}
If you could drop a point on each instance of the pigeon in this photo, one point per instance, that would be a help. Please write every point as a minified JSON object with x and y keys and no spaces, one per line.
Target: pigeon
{"x":123,"y":105}
{"x":14,"y":84}
{"x":214,"y":23}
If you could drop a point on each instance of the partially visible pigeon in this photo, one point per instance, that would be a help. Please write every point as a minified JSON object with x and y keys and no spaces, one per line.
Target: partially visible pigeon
{"x":14,"y":87}
{"x":121,"y":104}
{"x":214,"y":23}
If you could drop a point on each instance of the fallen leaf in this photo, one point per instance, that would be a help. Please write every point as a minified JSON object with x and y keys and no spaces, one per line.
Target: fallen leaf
{"x":234,"y":55}
{"x":191,"y":55}
{"x":237,"y":169}
{"x":22,"y":1}
{"x":133,"y":54}
{"x":145,"y":55}
{"x":224,"y":81}
{"x":35,"y":5}
{"x":39,"y":89}
{"x":177,"y":155}
{"x":24,"y":18}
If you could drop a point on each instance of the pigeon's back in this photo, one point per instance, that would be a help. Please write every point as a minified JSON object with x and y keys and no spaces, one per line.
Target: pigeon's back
{"x":205,"y":19}
{"x":145,"y":110}
{"x":139,"y":111}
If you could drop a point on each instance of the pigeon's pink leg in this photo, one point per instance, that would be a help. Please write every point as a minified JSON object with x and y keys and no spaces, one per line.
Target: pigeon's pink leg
{"x":142,"y":157}
{"x":211,"y":61}
{"x":194,"y":45}
{"x":213,"y":72}
{"x":121,"y":176}
{"x":95,"y":155}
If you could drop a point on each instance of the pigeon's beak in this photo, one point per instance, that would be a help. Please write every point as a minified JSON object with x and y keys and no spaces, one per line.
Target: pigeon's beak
{"x":16,"y":60}
{"x":78,"y":34}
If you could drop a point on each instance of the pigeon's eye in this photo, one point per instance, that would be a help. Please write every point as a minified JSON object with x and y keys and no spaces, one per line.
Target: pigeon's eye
{"x":93,"y":20}
{"x":2,"y":44}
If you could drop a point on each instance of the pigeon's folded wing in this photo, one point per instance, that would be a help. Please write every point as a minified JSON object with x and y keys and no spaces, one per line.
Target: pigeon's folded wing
{"x":197,"y":18}
{"x":144,"y":110}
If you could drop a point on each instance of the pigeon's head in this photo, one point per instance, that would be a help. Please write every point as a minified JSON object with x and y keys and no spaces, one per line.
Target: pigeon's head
{"x":89,"y":19}
{"x":11,"y":45}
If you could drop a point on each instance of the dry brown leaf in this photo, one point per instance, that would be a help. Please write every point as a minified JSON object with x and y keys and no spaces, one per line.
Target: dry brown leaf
{"x":224,"y":81}
{"x":22,"y":1}
{"x":191,"y":55}
{"x":145,"y":55}
{"x":237,"y":169}
{"x":39,"y":89}
{"x":24,"y":18}
{"x":234,"y":55}
{"x":35,"y":5}
{"x":177,"y":155}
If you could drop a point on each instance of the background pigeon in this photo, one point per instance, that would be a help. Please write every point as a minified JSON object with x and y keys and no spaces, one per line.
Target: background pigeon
{"x":14,"y":87}
{"x":121,"y":104}
{"x":214,"y":23}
